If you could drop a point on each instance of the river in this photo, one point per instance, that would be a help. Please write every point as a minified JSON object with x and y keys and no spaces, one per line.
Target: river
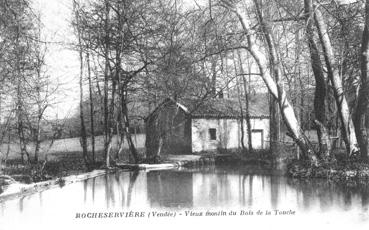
{"x":255,"y":195}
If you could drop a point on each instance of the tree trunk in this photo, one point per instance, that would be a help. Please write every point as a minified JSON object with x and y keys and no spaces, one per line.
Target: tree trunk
{"x":242,"y":119}
{"x":125,"y":117}
{"x":247,"y":100}
{"x":320,"y":84}
{"x":161,"y":142}
{"x":213,"y":77}
{"x":361,"y":113}
{"x":20,"y":126}
{"x":240,"y":104}
{"x":348,"y":129}
{"x":107,"y":145}
{"x":22,"y":141}
{"x":111,"y":120}
{"x":274,"y":124}
{"x":37,"y":139}
{"x":20,"y":108}
{"x":120,"y":134}
{"x":92,"y":119}
{"x":81,"y":107}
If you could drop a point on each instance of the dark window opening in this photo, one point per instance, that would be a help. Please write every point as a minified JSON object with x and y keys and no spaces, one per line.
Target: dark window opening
{"x":213,"y":134}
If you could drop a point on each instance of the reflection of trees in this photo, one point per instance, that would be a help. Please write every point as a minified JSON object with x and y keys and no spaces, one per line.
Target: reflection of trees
{"x":250,"y":200}
{"x":93,"y":188}
{"x":220,"y":188}
{"x":117,"y":187}
{"x":242,"y":191}
{"x":40,"y":197}
{"x":365,"y":198}
{"x":170,"y":189}
{"x":311,"y":191}
{"x":274,"y":190}
{"x":330,"y":193}
{"x":132,"y":180}
{"x":111,"y":185}
{"x":90,"y":183}
{"x":21,"y":201}
{"x":120,"y":183}
{"x":85,"y":186}
{"x":106,"y":186}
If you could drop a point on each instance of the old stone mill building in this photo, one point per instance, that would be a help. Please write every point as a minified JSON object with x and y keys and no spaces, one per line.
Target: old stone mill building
{"x":189,"y":126}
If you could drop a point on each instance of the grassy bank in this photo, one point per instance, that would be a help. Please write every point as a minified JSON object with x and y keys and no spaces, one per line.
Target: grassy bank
{"x":340,"y":169}
{"x":62,"y":158}
{"x":61,"y":164}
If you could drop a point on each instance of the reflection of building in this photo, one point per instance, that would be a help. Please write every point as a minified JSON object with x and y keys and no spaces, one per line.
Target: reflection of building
{"x":194,"y":126}
{"x":170,"y":189}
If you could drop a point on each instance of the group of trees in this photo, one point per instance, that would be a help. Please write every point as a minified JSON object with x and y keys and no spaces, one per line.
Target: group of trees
{"x":141,"y":52}
{"x":320,"y":21}
{"x":135,"y":53}
{"x":25,"y":88}
{"x":114,"y":49}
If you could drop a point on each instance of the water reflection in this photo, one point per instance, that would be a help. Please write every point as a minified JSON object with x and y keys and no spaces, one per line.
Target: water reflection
{"x":214,"y":187}
{"x":174,"y":189}
{"x":328,"y":194}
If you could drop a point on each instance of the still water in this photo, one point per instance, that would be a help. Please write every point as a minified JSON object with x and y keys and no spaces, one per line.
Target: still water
{"x":240,"y":189}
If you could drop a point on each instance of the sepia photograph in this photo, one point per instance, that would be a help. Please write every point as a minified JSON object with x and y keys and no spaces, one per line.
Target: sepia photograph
{"x":180,"y":114}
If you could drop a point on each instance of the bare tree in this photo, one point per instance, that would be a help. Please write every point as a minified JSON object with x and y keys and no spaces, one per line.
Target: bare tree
{"x":246,"y":90}
{"x":107,"y":130}
{"x":92,"y":107}
{"x":81,"y":109}
{"x":320,"y":85}
{"x":240,"y":100}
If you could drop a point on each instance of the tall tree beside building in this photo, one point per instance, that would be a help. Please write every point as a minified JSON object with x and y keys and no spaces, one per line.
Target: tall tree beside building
{"x":274,"y":86}
{"x":320,"y":82}
{"x":348,"y":129}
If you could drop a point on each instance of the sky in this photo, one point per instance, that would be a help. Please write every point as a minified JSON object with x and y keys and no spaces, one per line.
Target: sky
{"x":62,"y":62}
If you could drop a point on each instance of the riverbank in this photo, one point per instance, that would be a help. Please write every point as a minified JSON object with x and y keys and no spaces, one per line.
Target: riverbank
{"x":62,"y":165}
{"x":347,"y":171}
{"x":11,"y":188}
{"x":174,"y":161}
{"x":65,"y":164}
{"x":16,"y":189}
{"x":70,"y":168}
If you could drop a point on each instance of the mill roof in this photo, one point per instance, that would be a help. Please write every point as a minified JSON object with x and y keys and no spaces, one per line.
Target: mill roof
{"x":226,"y":108}
{"x":222,"y":107}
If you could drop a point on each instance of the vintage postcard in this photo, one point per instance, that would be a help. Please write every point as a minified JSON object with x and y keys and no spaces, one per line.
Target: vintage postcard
{"x":164,"y":114}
